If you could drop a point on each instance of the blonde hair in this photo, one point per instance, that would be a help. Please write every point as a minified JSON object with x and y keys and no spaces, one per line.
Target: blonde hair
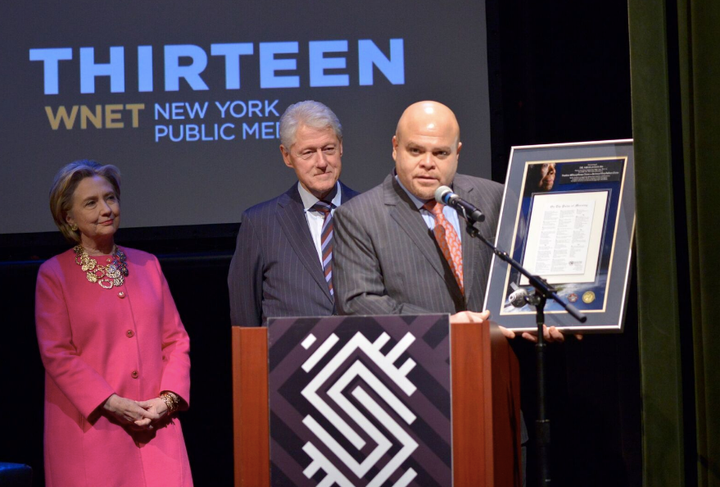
{"x":64,"y":185}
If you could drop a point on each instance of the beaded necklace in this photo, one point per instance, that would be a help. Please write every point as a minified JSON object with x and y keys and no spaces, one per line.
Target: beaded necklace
{"x":107,"y":276}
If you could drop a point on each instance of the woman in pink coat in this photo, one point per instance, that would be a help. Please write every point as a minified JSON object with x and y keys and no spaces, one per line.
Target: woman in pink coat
{"x":116,"y":354}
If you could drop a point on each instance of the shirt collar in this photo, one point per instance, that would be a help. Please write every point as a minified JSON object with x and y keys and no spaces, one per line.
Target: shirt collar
{"x":309,"y":199}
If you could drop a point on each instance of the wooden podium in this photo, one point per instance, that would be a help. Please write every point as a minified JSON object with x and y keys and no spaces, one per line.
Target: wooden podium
{"x":485,"y":407}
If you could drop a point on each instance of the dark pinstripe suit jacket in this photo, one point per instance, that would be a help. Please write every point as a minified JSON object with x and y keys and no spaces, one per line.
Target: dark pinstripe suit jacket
{"x":275,"y":271}
{"x":386,"y":260}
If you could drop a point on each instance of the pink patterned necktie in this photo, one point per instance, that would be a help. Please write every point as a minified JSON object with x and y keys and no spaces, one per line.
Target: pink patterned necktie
{"x":326,"y":237}
{"x":448,"y":241}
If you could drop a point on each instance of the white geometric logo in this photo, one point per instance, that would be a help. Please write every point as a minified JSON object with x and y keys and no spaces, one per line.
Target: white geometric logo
{"x":371,"y":407}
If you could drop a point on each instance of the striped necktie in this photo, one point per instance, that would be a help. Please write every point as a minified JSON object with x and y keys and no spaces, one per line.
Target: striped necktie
{"x":448,"y":241}
{"x":326,"y":237}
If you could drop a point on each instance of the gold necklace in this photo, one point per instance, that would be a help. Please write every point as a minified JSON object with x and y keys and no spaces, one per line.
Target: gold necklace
{"x":108,"y":276}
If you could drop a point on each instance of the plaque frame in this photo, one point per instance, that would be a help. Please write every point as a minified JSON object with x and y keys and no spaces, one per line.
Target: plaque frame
{"x":583,"y":217}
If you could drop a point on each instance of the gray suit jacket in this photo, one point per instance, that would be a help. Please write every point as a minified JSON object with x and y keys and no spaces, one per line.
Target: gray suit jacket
{"x":275,"y":271}
{"x":386,"y":261}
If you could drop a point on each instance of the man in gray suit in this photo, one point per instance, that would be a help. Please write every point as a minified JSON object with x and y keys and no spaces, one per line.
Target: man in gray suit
{"x":388,"y":259}
{"x":278,"y":267}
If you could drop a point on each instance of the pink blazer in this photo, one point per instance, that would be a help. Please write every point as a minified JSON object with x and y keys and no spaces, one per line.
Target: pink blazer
{"x":94,"y":342}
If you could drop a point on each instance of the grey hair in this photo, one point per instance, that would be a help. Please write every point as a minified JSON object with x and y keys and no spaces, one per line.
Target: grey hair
{"x":311,"y":114}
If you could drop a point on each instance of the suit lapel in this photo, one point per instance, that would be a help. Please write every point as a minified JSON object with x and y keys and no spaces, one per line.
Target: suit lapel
{"x":291,"y":216}
{"x":403,"y":211}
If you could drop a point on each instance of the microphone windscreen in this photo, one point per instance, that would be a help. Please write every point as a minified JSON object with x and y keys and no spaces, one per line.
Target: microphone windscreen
{"x":441,"y":192}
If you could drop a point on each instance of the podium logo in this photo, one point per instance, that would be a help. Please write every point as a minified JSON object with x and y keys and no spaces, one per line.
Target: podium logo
{"x":360,"y":400}
{"x":344,"y":373}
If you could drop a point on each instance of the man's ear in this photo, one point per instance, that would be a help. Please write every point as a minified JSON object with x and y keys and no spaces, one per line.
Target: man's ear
{"x":286,"y":157}
{"x":458,"y":148}
{"x":395,"y":147}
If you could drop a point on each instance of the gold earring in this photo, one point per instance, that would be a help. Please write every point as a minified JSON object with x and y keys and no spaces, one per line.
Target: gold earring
{"x":74,"y":227}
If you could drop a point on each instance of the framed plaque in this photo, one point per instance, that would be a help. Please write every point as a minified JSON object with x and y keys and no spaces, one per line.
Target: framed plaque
{"x":568,"y":215}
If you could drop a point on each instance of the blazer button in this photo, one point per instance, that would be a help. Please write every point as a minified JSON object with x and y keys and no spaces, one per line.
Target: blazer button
{"x":121,"y":294}
{"x":130,"y":333}
{"x":135,"y":374}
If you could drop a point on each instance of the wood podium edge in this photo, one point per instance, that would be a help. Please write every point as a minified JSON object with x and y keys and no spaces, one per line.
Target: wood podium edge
{"x":471,"y":408}
{"x":485,"y":399}
{"x":251,"y":429}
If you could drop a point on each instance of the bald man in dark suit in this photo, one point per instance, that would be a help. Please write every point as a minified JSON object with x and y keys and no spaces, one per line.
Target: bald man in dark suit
{"x":277,"y":269}
{"x":387,"y":257}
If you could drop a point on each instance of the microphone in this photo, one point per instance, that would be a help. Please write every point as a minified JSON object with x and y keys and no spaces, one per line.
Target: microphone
{"x":446,"y":196}
{"x":517,"y":298}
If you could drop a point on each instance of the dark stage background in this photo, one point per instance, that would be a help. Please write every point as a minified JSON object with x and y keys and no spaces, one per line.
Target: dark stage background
{"x":558,"y":72}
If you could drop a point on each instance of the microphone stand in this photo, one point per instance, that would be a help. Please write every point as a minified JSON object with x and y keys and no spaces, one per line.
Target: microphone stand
{"x":543,"y":291}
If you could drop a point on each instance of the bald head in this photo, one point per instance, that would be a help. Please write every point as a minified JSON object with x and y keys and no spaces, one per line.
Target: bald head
{"x":426,"y":147}
{"x":428,"y":117}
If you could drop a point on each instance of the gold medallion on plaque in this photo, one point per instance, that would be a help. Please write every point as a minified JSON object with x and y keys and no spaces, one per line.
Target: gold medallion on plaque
{"x":588,"y":297}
